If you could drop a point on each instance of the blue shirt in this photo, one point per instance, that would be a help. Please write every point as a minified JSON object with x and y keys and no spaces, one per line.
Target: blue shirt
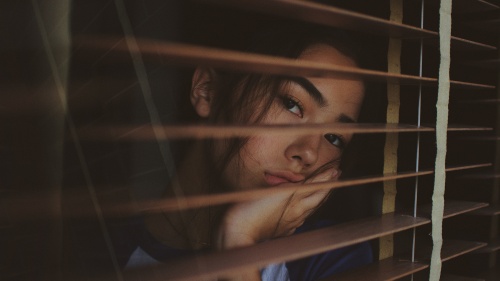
{"x":150,"y":251}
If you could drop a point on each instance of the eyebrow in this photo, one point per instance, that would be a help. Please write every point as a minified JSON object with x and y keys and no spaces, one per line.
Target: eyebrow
{"x":310,"y":89}
{"x":318,"y":96}
{"x":345,"y":119}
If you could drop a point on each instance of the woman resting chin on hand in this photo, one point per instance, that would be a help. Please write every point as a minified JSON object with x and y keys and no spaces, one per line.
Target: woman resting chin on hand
{"x":263,"y":161}
{"x":284,"y":212}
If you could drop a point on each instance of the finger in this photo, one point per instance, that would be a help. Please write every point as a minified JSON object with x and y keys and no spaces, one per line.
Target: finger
{"x":327,"y":175}
{"x":337,"y":175}
{"x":312,"y":203}
{"x":315,"y":199}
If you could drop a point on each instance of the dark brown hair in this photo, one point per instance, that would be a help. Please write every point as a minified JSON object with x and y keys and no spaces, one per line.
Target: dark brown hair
{"x":238,"y":95}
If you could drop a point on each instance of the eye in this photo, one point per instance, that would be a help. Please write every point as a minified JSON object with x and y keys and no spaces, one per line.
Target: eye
{"x":293,"y":105}
{"x":336,"y":140}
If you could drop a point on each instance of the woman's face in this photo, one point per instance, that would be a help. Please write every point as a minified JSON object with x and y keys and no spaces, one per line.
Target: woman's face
{"x":266,"y":161}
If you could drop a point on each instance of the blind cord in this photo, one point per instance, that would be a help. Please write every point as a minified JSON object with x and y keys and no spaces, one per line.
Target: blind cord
{"x":419,"y":114}
{"x":441,"y":137}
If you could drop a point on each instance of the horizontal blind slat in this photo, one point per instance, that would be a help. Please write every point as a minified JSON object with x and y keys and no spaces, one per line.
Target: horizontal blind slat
{"x":394,"y":268}
{"x":146,"y":132}
{"x":452,"y":277}
{"x":386,"y":269}
{"x":214,"y":199}
{"x":232,"y":261}
{"x":24,"y":207}
{"x":467,"y":6}
{"x":452,"y":208}
{"x":492,"y":274}
{"x":190,"y":55}
{"x":340,"y":18}
{"x":457,"y":248}
{"x":328,"y":15}
{"x":492,"y":210}
{"x":466,"y":44}
{"x":304,"y":244}
{"x":492,"y":246}
{"x":493,"y":64}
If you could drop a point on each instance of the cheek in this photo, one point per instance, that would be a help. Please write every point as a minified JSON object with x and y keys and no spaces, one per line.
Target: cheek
{"x":328,"y":153}
{"x":245,"y":171}
{"x":278,"y":115}
{"x":261,"y":154}
{"x":261,"y":150}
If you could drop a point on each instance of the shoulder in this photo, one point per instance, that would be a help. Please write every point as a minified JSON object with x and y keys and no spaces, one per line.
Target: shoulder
{"x":328,"y":263}
{"x":146,"y":249}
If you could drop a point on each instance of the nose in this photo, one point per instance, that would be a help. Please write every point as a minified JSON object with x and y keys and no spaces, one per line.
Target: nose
{"x":304,"y":150}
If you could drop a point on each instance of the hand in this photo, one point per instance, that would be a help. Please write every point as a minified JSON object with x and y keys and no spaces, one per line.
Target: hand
{"x":272,"y":216}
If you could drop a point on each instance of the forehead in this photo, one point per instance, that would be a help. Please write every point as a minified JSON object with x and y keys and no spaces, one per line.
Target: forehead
{"x":344,"y":96}
{"x":326,"y":54}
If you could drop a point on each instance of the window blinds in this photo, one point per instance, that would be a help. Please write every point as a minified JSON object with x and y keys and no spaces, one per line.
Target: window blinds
{"x":117,"y":141}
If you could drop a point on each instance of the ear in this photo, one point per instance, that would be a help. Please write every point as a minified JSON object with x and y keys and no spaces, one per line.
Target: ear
{"x":201,"y":91}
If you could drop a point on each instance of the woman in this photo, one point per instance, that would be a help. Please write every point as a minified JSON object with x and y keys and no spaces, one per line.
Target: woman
{"x":263,"y":161}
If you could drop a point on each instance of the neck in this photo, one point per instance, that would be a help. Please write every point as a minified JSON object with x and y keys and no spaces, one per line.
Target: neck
{"x":192,"y":228}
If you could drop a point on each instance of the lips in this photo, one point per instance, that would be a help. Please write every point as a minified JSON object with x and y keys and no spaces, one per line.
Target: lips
{"x":277,"y":178}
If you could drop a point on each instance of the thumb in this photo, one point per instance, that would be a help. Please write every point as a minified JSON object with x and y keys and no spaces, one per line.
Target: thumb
{"x":337,"y":175}
{"x":332,"y":174}
{"x":327,"y":175}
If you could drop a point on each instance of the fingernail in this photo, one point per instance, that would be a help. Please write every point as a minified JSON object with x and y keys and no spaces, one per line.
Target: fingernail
{"x":336,"y":173}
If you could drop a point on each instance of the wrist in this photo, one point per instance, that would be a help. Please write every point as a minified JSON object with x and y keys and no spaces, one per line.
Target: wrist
{"x":232,"y":240}
{"x":233,"y":235}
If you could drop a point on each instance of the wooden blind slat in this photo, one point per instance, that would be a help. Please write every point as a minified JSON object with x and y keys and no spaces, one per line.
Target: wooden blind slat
{"x":456,"y":128}
{"x":26,"y":208}
{"x":491,"y":63}
{"x":452,"y":208}
{"x":452,"y":277}
{"x":453,"y":249}
{"x":340,"y":18}
{"x":492,"y":246}
{"x":93,"y":94}
{"x":232,"y":261}
{"x":492,"y":210}
{"x":480,"y":101}
{"x":466,"y":6}
{"x":461,"y":44}
{"x":386,"y":269}
{"x":485,"y":21}
{"x":330,"y":16}
{"x":147,"y":132}
{"x":215,"y":199}
{"x":487,"y":24}
{"x":461,"y":84}
{"x":482,"y":176}
{"x":465,"y":44}
{"x":395,"y":268}
{"x":185,"y":54}
{"x":492,"y":274}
